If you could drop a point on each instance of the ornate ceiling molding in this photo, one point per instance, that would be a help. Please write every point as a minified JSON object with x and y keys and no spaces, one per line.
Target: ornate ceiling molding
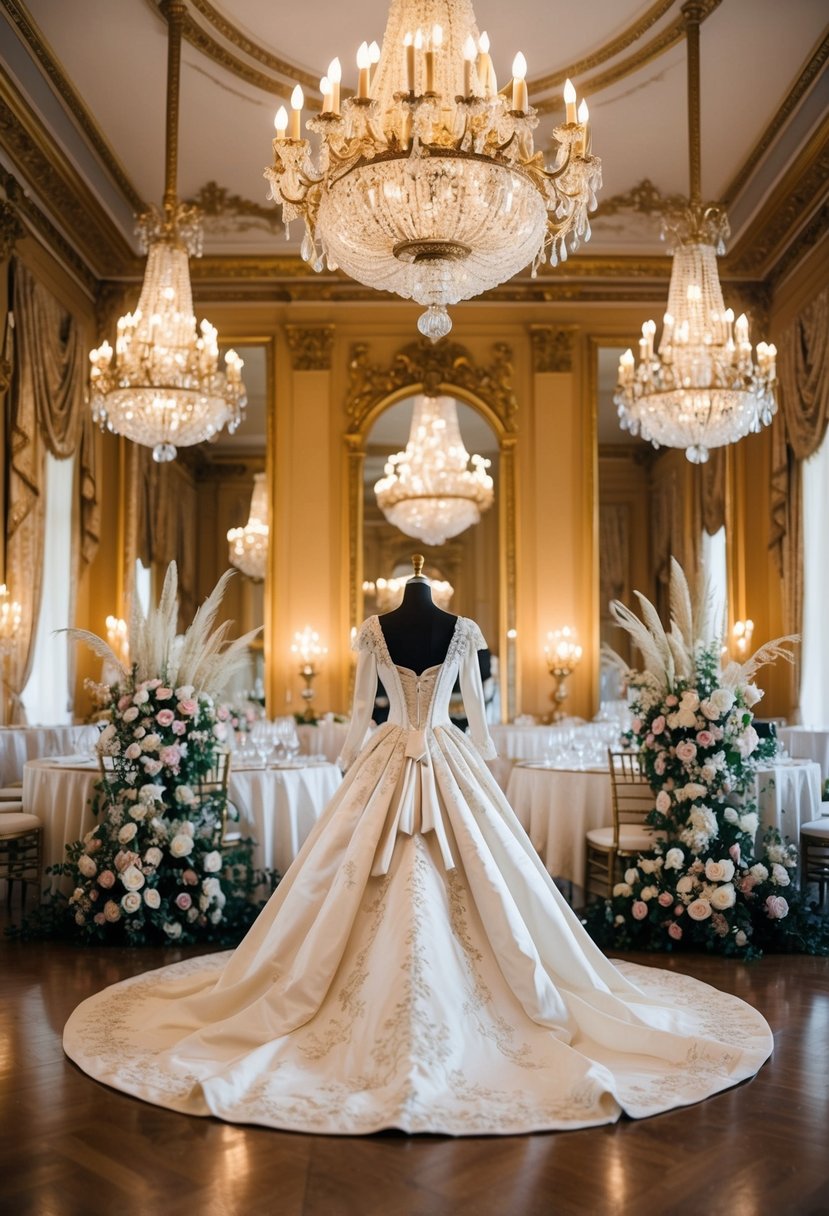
{"x":29,"y":32}
{"x":804,"y":243}
{"x":423,"y":367}
{"x":552,"y":347}
{"x":310,"y":347}
{"x":217,"y":201}
{"x":244,"y":44}
{"x":644,"y":198}
{"x":40,"y":223}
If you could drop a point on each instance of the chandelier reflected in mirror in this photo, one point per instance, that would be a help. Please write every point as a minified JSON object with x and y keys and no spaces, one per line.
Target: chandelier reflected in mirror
{"x":388,"y":592}
{"x":430,"y":491}
{"x":427,"y":182}
{"x":248,"y":546}
{"x":701,"y":388}
{"x":161,"y":386}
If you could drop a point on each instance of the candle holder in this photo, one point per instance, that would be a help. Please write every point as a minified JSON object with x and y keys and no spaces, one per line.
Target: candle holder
{"x":306,"y":647}
{"x":562,"y":653}
{"x":11,"y":615}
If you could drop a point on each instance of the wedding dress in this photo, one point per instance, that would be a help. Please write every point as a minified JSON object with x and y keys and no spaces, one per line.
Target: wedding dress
{"x":416,"y":968}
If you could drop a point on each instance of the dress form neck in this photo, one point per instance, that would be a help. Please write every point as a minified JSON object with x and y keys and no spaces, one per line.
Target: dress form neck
{"x":417,"y":633}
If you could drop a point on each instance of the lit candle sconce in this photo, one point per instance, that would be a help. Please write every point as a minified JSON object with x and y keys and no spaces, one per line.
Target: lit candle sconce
{"x":741,"y":632}
{"x":308,"y":649}
{"x":562,"y":653}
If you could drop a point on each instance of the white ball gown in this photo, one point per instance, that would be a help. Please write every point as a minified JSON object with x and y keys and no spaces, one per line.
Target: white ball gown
{"x":416,"y":968}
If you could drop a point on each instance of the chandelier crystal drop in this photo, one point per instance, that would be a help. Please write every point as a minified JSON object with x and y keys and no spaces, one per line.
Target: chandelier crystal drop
{"x":429,"y":491}
{"x":427,"y":182}
{"x":701,"y":388}
{"x":248,"y":546}
{"x":161,"y":386}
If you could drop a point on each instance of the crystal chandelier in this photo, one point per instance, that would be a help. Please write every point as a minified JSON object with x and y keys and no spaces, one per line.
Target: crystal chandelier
{"x":429,"y":491}
{"x":388,"y":592}
{"x":248,"y":546}
{"x":427,"y":183}
{"x":702,"y":388}
{"x":162,"y":386}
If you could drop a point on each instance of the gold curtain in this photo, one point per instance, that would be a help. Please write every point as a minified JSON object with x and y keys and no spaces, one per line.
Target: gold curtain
{"x":797,"y":432}
{"x":47,"y":413}
{"x":162,"y":522}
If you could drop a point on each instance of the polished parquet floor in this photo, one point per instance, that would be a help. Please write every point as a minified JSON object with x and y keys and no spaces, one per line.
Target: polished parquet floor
{"x":71,"y":1147}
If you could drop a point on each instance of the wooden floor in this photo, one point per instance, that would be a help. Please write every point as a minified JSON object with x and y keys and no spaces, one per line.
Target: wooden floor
{"x":71,"y":1147}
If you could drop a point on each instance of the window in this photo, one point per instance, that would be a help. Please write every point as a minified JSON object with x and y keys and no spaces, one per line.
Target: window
{"x":715,"y":572}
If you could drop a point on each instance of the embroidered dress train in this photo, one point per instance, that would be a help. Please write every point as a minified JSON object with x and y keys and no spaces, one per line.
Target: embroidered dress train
{"x":417,"y":968}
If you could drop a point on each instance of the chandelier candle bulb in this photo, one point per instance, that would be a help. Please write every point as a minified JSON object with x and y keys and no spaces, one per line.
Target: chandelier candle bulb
{"x":327,"y":96}
{"x":364,"y":66}
{"x":470,"y":54}
{"x":569,"y":101}
{"x":408,"y":43}
{"x":520,"y":100}
{"x":584,"y":141}
{"x":335,"y":75}
{"x":297,"y":102}
{"x":485,"y":72}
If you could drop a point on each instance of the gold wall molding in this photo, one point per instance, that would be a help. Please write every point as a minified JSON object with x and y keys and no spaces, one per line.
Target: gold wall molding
{"x":214,"y":200}
{"x":552,"y":347}
{"x":22,"y":19}
{"x":310,"y":347}
{"x":644,"y":198}
{"x":806,"y":239}
{"x":445,"y":367}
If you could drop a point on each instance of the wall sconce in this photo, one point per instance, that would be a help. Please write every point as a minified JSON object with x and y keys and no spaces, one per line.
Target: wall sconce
{"x":306,"y":647}
{"x":741,"y":632}
{"x":562,"y":653}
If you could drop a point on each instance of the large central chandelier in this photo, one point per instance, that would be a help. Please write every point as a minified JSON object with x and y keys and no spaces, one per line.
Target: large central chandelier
{"x":427,"y":183}
{"x":162,"y":386}
{"x":702,"y":388}
{"x":429,"y":491}
{"x":248,"y":546}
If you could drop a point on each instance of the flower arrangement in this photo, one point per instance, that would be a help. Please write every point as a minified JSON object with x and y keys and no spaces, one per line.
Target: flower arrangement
{"x":703,"y":885}
{"x":153,"y":869}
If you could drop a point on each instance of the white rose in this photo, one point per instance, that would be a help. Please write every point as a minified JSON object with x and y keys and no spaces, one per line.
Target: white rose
{"x":689,"y":700}
{"x":648,"y":893}
{"x":646,"y":865}
{"x":708,"y":773}
{"x":730,"y":815}
{"x":181,"y":845}
{"x":700,"y":909}
{"x":719,"y":871}
{"x":723,"y":699}
{"x":752,"y":694}
{"x":674,"y":859}
{"x":131,"y":902}
{"x":663,"y":802}
{"x":87,"y":866}
{"x":126,"y":833}
{"x":747,"y":742}
{"x":185,"y":692}
{"x":622,"y":889}
{"x":211,"y":887}
{"x":759,"y":872}
{"x":187,"y":827}
{"x":141,"y":697}
{"x":106,"y":734}
{"x":150,"y":743}
{"x":153,"y":856}
{"x":185,"y":795}
{"x":173,"y":929}
{"x":724,"y":897}
{"x":132,"y":878}
{"x":152,"y":898}
{"x":780,"y":875}
{"x":631,"y":875}
{"x":213,"y":862}
{"x":749,"y":823}
{"x":139,"y":810}
{"x":740,"y":938}
{"x":151,"y":792}
{"x":685,"y":885}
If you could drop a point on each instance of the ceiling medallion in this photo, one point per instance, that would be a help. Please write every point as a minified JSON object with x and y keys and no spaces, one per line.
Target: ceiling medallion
{"x":161,"y":386}
{"x":701,"y":389}
{"x":427,"y":183}
{"x":429,"y":491}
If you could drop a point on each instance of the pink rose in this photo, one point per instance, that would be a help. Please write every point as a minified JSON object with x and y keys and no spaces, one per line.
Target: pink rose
{"x":776,"y":907}
{"x":154,"y":683}
{"x":666,"y":899}
{"x":671,"y":700}
{"x":163,"y":694}
{"x":685,"y":751}
{"x":223,"y":713}
{"x":747,"y":884}
{"x":183,"y":901}
{"x":190,"y":877}
{"x":699,"y":909}
{"x":705,"y":738}
{"x":678,"y":910}
{"x":178,"y":727}
{"x":171,"y":755}
{"x":123,"y":702}
{"x":99,"y":918}
{"x":659,"y":764}
{"x":93,"y":894}
{"x":663,"y":802}
{"x":106,"y":878}
{"x":639,"y":909}
{"x":636,"y":725}
{"x":124,"y":858}
{"x":165,"y":717}
{"x":675,"y":930}
{"x":188,"y":708}
{"x":111,"y":910}
{"x":734,"y":853}
{"x":658,"y":725}
{"x":133,"y":751}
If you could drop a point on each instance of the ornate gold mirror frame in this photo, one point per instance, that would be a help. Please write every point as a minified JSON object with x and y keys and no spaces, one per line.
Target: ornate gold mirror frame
{"x":448,"y":369}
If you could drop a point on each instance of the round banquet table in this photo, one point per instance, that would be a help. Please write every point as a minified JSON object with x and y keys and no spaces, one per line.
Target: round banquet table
{"x":557,"y":807}
{"x":807,"y":743}
{"x":277,"y":806}
{"x":21,"y":743}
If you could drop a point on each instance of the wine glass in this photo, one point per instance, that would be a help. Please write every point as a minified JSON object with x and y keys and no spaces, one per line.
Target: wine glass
{"x":262,"y":738}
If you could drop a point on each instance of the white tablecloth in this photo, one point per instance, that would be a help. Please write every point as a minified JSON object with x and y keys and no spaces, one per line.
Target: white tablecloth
{"x":277,"y":807}
{"x":21,"y":743}
{"x":515,"y":742}
{"x":556,"y":808}
{"x":324,"y":739}
{"x":807,"y":743}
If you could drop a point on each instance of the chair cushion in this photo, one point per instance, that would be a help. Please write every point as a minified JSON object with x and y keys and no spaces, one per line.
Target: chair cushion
{"x":11,"y":793}
{"x":817,"y":827}
{"x":11,"y":808}
{"x":630,"y":838}
{"x":16,"y":825}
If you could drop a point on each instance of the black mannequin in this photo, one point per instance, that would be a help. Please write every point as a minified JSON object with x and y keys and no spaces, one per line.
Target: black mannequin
{"x":417,"y":633}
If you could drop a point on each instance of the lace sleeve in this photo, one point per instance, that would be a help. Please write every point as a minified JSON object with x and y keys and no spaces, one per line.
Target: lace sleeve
{"x":364,"y":637}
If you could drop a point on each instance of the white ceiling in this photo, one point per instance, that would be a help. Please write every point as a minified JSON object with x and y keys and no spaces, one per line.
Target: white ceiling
{"x":113,"y":52}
